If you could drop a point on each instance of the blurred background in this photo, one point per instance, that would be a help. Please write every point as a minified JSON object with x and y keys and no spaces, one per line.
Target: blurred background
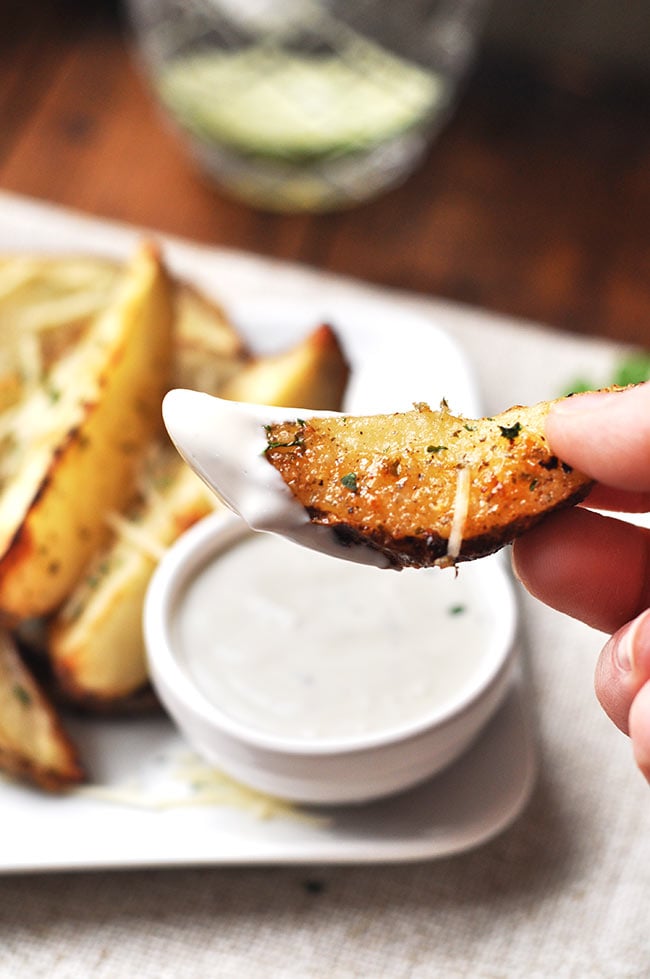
{"x":533,"y":200}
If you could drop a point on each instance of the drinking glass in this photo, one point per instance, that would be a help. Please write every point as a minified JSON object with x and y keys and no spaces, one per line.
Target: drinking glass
{"x":307,"y":105}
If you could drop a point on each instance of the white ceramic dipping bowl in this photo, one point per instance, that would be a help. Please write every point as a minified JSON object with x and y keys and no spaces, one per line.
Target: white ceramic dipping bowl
{"x":475,"y":666}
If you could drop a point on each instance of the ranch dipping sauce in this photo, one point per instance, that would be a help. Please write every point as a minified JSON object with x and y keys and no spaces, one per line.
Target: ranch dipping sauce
{"x":302,"y":646}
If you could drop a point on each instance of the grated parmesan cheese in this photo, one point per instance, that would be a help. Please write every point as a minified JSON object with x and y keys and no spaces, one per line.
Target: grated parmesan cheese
{"x":136,"y":536}
{"x":188,"y":782}
{"x":461,"y":507}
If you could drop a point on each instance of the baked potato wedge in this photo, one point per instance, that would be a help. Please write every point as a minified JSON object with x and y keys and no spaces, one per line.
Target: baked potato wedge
{"x":312,"y":374}
{"x":95,"y":640}
{"x":34,"y":747}
{"x":46,"y":294}
{"x":207,"y":348}
{"x":71,"y":451}
{"x":425,"y":487}
{"x":46,"y":302}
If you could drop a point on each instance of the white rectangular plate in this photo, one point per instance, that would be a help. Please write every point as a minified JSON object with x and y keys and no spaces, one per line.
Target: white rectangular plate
{"x":151,"y":804}
{"x":157,"y":809}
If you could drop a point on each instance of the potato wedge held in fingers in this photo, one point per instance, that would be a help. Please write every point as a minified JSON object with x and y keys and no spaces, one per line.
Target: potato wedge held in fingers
{"x":33,"y":745}
{"x":425,"y":487}
{"x":312,"y":374}
{"x":76,"y":441}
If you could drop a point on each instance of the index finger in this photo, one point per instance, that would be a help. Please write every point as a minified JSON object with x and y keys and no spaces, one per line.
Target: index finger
{"x":605,"y":435}
{"x":593,"y":568}
{"x":604,"y":497}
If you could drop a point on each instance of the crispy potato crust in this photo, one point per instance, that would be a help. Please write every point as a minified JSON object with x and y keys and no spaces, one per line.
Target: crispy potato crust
{"x":75,"y":454}
{"x":312,"y":374}
{"x":425,"y":487}
{"x":95,"y":639}
{"x":34,"y":746}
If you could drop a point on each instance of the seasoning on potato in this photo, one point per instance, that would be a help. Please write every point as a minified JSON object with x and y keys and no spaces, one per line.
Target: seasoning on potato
{"x":425,"y":487}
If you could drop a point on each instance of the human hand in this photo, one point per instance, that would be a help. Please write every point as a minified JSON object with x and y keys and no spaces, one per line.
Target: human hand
{"x":597,"y":568}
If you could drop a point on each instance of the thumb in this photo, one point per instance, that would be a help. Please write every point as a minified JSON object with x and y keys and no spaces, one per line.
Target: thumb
{"x":606,"y":435}
{"x":640,"y":728}
{"x":623,"y":668}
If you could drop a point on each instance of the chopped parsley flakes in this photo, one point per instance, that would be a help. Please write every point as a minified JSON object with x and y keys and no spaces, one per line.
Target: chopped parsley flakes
{"x":22,"y":695}
{"x":457,"y":609}
{"x":510,"y":432}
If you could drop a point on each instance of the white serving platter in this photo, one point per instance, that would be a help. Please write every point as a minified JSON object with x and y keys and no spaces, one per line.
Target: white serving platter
{"x":151,"y":803}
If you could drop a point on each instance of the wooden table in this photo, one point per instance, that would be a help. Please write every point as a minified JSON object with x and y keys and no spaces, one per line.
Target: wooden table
{"x":534,"y":201}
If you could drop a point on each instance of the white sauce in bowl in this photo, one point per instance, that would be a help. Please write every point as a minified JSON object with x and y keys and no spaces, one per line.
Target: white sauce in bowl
{"x":300,"y":645}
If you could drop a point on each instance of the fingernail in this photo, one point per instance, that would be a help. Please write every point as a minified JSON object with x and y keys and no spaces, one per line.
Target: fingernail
{"x":634,"y":644}
{"x":587,"y":402}
{"x":622,"y":651}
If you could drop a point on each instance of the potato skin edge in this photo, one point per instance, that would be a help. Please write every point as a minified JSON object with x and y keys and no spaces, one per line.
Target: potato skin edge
{"x":379,"y":481}
{"x":423,"y":552}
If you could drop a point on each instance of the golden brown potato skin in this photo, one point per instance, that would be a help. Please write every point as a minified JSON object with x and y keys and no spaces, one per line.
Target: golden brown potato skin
{"x":34,"y":747}
{"x":312,"y":374}
{"x":52,"y":508}
{"x":390,"y":481}
{"x":95,"y":639}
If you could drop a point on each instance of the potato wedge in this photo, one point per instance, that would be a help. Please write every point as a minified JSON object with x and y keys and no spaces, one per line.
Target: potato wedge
{"x":40,"y":294}
{"x":312,"y":374}
{"x":208,"y":351}
{"x":95,"y":640}
{"x":33,"y":744}
{"x":75,"y":443}
{"x":46,"y":302}
{"x":425,"y":487}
